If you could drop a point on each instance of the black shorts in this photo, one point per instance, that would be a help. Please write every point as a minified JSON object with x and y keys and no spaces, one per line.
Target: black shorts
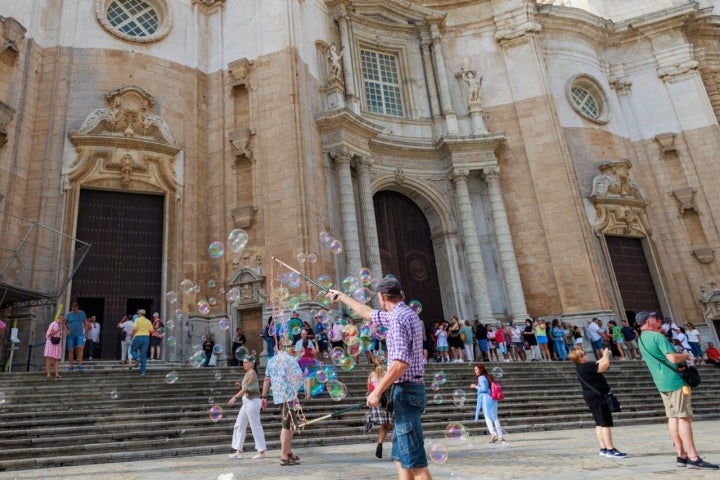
{"x":155,"y":341}
{"x":602,"y":415}
{"x":455,"y":342}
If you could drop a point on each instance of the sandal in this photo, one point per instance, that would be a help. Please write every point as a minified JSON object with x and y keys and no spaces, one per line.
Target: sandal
{"x":494,"y":438}
{"x":289,"y":462}
{"x":235,"y":455}
{"x":292,"y":456}
{"x":259,"y":456}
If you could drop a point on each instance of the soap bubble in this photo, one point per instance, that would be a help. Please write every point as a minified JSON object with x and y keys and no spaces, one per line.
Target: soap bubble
{"x":203,"y":306}
{"x":337,"y":390}
{"x":300,"y":257}
{"x":241,"y":353}
{"x":237,"y":239}
{"x":211,"y":283}
{"x":440,"y":378}
{"x":218,"y":376}
{"x":171,"y":341}
{"x":114,"y":395}
{"x":336,"y":246}
{"x":223,"y":323}
{"x":171,"y":297}
{"x":497,"y":372}
{"x":416,"y":306}
{"x":217,"y":348}
{"x":437,"y":453}
{"x":311,"y":257}
{"x":459,"y":397}
{"x":187,"y":286}
{"x":233,"y":295}
{"x":216,"y":249}
{"x":172,"y":377}
{"x":435,"y":386}
{"x":437,"y":399}
{"x":457,"y":432}
{"x":325,"y":280}
{"x":362,"y":295}
{"x":365,"y":276}
{"x":215,"y":413}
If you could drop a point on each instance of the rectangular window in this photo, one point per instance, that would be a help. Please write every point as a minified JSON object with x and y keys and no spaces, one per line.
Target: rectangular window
{"x":381,"y":83}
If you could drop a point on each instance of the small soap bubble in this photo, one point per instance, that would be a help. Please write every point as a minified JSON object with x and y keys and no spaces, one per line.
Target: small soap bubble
{"x":456,"y":432}
{"x":187,"y":286}
{"x":300,"y":257}
{"x":218,"y":376}
{"x":459,"y":397}
{"x":211,"y":283}
{"x":223,"y":323}
{"x":233,"y":295}
{"x":336,"y":246}
{"x":171,"y":341}
{"x":216,"y":249}
{"x":211,"y":400}
{"x":415,"y":306}
{"x":337,"y":390}
{"x":203,"y":306}
{"x":212,"y":301}
{"x":435,"y":386}
{"x":365,"y":276}
{"x":237,"y":239}
{"x":171,"y":297}
{"x":241,"y":353}
{"x":215,"y":413}
{"x":437,"y":453}
{"x":172,"y":377}
{"x":497,"y":372}
{"x":217,"y":348}
{"x":437,"y":399}
{"x":440,"y":378}
{"x":114,"y":395}
{"x":311,"y":257}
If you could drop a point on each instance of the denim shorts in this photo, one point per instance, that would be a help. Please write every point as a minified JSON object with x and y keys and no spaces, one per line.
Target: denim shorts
{"x":74,"y":341}
{"x":408,"y":446}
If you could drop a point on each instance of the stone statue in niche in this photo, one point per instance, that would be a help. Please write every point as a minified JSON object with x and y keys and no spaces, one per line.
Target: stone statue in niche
{"x":335,"y":57}
{"x":472,"y":81}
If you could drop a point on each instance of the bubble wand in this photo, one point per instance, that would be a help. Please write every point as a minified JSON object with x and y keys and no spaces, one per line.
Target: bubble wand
{"x":301,"y":274}
{"x":330,"y":415}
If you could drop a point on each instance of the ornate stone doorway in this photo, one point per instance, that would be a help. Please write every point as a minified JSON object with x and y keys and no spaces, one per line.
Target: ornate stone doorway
{"x":406,"y":251}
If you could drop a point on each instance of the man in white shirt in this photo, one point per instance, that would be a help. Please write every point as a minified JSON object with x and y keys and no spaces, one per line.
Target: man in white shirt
{"x":670,"y":329}
{"x":595,"y":336}
{"x":93,"y":337}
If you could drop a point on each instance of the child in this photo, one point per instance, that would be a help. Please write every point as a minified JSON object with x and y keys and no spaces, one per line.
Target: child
{"x":442,"y":344}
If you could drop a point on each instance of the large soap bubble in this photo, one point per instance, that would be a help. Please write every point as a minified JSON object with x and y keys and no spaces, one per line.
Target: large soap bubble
{"x":237,"y":239}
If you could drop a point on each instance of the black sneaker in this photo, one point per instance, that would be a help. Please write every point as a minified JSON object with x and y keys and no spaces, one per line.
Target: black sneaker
{"x":378,"y":450}
{"x":700,"y":463}
{"x":681,"y":462}
{"x":615,"y":453}
{"x":603,"y":452}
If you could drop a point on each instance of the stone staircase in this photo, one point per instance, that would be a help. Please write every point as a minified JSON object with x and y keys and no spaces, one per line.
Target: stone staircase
{"x":110,"y":414}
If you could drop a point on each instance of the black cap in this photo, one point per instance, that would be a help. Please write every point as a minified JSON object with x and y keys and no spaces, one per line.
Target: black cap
{"x":389,"y":286}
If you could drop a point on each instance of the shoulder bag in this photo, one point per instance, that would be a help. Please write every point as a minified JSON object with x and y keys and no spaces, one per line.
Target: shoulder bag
{"x":610,"y":398}
{"x":689,"y":374}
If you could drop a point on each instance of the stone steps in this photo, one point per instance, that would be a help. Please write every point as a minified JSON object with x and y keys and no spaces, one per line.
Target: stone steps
{"x":107,"y":413}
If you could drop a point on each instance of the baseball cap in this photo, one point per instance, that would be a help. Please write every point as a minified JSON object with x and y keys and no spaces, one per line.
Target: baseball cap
{"x":642,"y":317}
{"x":389,"y":286}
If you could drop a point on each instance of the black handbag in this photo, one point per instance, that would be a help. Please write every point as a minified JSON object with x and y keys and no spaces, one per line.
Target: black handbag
{"x":688,"y":373}
{"x":55,"y":340}
{"x":386,"y":399}
{"x":612,"y":402}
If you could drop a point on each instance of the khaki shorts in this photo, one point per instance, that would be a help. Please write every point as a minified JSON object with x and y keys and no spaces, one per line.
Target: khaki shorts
{"x":630,"y":344}
{"x":677,"y":405}
{"x":290,"y":418}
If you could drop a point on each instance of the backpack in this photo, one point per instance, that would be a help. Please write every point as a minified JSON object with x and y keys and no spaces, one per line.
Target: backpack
{"x":496,"y":391}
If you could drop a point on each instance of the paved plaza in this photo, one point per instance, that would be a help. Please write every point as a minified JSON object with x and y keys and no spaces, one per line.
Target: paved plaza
{"x":561,"y":455}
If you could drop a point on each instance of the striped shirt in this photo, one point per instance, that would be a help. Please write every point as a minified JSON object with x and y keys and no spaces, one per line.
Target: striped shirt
{"x":404,"y":340}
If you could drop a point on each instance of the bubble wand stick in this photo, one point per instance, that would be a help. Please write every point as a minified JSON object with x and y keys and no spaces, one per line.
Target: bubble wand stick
{"x":301,"y":274}
{"x":330,"y":415}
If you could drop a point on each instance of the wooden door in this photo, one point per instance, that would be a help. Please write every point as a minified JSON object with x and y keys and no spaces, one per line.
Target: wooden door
{"x":406,"y":251}
{"x":125,"y":231}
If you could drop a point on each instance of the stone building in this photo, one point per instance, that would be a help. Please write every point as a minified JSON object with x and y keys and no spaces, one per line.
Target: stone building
{"x":503,"y":158}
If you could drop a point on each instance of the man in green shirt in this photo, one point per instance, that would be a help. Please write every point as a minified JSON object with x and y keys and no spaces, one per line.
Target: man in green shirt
{"x":662,"y":361}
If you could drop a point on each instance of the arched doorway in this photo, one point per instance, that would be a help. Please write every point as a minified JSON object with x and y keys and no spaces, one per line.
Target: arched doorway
{"x":406,"y":251}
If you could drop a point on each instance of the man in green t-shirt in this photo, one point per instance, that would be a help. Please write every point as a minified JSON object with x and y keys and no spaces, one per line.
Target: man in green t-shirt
{"x":662,"y":361}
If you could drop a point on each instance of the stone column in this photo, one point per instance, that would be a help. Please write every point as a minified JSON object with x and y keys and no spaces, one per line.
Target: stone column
{"x":367,"y":209}
{"x":447,"y":110}
{"x":508,"y":261}
{"x":350,"y":90}
{"x":351,"y":243}
{"x":430,"y":77}
{"x":478,"y":280}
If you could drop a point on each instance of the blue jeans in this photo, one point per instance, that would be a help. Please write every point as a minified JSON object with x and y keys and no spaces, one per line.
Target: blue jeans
{"x":407,"y":445}
{"x":560,"y":350}
{"x":141,"y":343}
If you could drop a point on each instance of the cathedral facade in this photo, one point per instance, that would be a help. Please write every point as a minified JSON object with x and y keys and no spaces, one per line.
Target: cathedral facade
{"x":502,"y":158}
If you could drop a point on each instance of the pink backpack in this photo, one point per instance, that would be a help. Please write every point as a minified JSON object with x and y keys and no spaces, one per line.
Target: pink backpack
{"x":496,"y":391}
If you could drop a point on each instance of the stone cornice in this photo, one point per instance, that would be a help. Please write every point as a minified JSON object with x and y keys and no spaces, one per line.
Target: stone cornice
{"x":209,"y":6}
{"x":669,"y":18}
{"x":573,"y":21}
{"x":342,"y":127}
{"x":383,"y":14}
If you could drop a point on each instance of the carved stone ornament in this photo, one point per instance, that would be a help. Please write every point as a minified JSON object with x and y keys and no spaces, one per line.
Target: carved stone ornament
{"x":6,"y":114}
{"x":686,"y":199}
{"x":711,"y":300}
{"x":249,"y":281}
{"x":11,"y":33}
{"x":123,"y":140}
{"x":666,"y":142}
{"x":243,"y":215}
{"x":620,"y":204}
{"x":239,"y":71}
{"x":704,"y":254}
{"x":209,"y":5}
{"x":240,"y":140}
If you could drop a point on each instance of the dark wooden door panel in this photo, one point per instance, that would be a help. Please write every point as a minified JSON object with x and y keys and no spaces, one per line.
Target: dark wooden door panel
{"x":632,"y":274}
{"x":406,"y":251}
{"x":125,"y":231}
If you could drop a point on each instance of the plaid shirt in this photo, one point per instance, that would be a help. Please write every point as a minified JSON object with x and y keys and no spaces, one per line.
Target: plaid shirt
{"x":404,"y":340}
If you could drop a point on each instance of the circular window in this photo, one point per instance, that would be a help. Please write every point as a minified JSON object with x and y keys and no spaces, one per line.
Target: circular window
{"x":587,"y":98}
{"x":138,"y":21}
